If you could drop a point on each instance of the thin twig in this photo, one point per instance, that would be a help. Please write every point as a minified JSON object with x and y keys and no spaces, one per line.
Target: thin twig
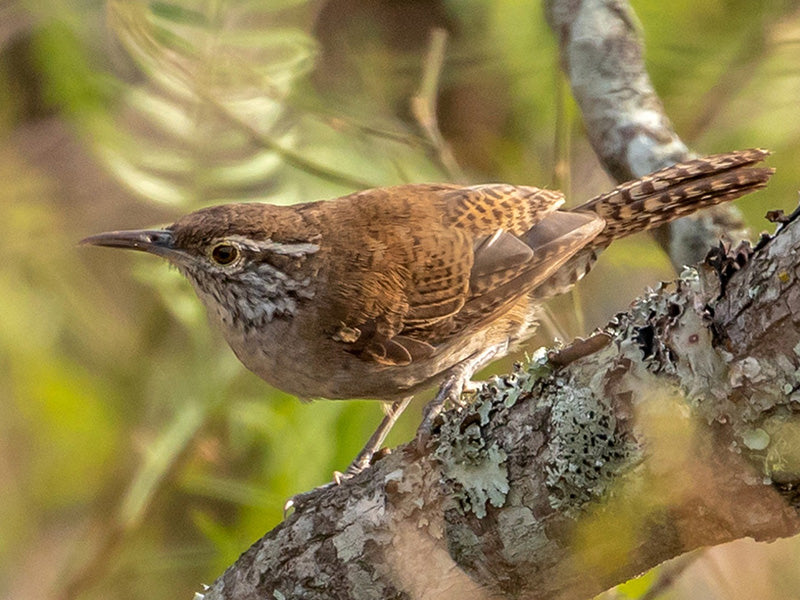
{"x":288,"y":155}
{"x":602,"y":53}
{"x":562,"y":175}
{"x":423,"y":103}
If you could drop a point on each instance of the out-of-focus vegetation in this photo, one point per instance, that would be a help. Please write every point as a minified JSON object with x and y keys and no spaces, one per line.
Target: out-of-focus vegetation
{"x":137,"y":457}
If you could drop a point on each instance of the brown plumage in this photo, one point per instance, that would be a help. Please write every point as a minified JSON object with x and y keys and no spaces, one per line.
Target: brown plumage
{"x":386,"y":291}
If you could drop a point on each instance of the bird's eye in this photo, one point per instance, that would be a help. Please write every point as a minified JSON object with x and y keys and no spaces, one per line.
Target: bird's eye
{"x":224,"y":254}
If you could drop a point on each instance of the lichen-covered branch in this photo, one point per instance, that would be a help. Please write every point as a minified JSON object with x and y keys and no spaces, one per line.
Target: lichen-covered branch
{"x":603,"y":57}
{"x":679,"y":429}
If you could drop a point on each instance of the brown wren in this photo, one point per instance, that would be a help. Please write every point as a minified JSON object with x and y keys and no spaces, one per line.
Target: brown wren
{"x":388,"y":291}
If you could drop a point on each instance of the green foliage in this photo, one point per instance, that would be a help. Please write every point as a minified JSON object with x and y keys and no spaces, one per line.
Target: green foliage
{"x":137,"y":455}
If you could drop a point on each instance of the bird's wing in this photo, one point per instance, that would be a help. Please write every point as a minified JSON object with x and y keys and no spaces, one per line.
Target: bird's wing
{"x":552,"y":243}
{"x":456,"y":261}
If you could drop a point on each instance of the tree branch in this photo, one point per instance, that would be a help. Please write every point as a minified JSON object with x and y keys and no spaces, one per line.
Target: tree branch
{"x":603,"y":57}
{"x":562,"y":481}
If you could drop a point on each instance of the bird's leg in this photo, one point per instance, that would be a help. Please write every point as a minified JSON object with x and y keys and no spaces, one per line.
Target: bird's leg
{"x":458,"y":381}
{"x":363,"y":458}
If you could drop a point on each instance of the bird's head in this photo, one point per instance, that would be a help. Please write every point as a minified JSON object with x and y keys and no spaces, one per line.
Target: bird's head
{"x":234,"y":257}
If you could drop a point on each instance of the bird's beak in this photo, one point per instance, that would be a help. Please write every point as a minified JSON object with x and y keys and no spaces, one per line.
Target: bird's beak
{"x":155,"y":241}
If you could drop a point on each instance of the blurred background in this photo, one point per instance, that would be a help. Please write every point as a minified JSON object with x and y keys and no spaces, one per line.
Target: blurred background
{"x":137,"y":457}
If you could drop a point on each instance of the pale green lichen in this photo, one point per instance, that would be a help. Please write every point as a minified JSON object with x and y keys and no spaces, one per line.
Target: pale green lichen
{"x":690,"y":276}
{"x":352,"y":536}
{"x":672,"y":332}
{"x":477,"y":469}
{"x":539,"y":364}
{"x":695,"y":361}
{"x":484,"y":410}
{"x":508,"y":389}
{"x":482,"y":475}
{"x":511,"y":396}
{"x":585,"y":447}
{"x":478,"y":472}
{"x":747,"y":369}
{"x":755,"y":439}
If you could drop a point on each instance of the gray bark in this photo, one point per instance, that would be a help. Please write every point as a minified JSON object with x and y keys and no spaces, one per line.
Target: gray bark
{"x":679,"y":432}
{"x":603,"y":57}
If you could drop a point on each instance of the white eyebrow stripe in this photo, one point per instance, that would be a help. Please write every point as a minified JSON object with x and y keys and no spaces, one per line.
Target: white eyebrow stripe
{"x":298,"y":249}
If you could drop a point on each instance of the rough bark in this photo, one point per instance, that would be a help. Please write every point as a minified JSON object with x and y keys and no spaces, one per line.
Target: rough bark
{"x":680,"y":431}
{"x":603,"y":57}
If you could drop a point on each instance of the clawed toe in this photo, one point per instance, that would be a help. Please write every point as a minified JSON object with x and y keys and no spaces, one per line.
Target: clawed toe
{"x":470,"y":387}
{"x":450,"y":394}
{"x":458,"y":382}
{"x":299,"y":500}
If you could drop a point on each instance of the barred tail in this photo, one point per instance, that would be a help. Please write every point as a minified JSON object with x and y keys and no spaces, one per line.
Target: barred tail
{"x":677,"y":191}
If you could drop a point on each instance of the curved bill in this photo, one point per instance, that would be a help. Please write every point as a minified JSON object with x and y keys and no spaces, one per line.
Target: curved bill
{"x":155,"y":241}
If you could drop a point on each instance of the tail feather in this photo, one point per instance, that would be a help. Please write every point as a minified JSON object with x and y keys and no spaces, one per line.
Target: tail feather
{"x":676,"y":191}
{"x":659,"y":198}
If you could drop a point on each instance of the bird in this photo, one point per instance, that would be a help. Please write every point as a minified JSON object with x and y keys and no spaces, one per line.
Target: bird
{"x":385,"y":292}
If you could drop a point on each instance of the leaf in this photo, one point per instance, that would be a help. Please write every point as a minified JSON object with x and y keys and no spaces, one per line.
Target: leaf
{"x":223,"y":111}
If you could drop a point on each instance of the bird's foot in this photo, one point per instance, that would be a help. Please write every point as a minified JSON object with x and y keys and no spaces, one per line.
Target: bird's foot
{"x":450,"y":395}
{"x":451,"y":392}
